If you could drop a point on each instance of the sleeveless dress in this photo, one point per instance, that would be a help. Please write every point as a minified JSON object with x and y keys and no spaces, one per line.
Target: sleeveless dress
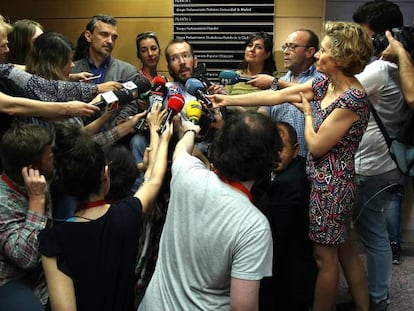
{"x":332,"y":175}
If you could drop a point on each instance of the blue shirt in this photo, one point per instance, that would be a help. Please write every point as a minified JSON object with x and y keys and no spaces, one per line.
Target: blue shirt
{"x":101,"y":70}
{"x":288,"y":113}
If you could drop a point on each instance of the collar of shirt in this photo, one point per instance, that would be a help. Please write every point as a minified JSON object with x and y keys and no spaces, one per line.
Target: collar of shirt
{"x":303,"y":76}
{"x":101,"y":70}
{"x":14,"y":186}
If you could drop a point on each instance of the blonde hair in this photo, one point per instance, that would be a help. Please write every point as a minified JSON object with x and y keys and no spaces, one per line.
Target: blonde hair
{"x":351,"y":46}
{"x":5,"y":25}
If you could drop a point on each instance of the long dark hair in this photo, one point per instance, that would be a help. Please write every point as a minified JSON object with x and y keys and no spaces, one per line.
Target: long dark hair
{"x":49,"y":55}
{"x":269,"y":65}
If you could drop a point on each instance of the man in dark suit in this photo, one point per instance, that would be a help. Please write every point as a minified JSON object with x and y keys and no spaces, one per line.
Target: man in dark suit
{"x":285,"y":201}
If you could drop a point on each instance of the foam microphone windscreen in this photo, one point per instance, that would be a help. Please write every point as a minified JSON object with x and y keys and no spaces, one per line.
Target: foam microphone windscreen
{"x":158,"y":86}
{"x":228,"y":77}
{"x":142,"y":83}
{"x":176,"y":103}
{"x":158,"y":80}
{"x":193,"y":111}
{"x":174,"y":106}
{"x":193,"y":85}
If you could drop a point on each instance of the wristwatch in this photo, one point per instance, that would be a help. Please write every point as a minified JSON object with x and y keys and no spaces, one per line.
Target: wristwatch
{"x":274,"y":86}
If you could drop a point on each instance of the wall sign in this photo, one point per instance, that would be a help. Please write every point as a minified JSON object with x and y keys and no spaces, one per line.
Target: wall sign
{"x":217,"y":29}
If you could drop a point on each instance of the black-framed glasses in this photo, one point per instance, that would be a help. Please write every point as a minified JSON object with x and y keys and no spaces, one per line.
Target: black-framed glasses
{"x":292,"y":47}
{"x":146,"y":34}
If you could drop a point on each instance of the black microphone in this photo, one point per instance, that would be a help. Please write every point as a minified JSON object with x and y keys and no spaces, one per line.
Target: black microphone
{"x":142,"y":83}
{"x":138,"y":86}
{"x":199,"y":73}
{"x":196,"y":88}
{"x":112,"y":100}
{"x":229,"y":77}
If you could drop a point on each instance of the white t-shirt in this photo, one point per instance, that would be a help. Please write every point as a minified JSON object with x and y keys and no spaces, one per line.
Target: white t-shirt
{"x":381,"y":82}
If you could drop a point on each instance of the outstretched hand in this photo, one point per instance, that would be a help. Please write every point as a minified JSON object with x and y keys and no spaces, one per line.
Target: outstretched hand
{"x":156,"y":116}
{"x":77,"y":108}
{"x":218,"y":100}
{"x":262,"y":81}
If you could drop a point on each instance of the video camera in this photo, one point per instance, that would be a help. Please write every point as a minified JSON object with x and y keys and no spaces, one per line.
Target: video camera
{"x":404,"y":34}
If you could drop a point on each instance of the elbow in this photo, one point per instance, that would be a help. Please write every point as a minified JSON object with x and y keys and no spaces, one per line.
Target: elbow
{"x":25,"y":262}
{"x":316,"y":153}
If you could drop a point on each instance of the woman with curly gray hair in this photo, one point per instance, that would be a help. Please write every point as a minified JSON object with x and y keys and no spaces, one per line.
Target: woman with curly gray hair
{"x":336,"y":112}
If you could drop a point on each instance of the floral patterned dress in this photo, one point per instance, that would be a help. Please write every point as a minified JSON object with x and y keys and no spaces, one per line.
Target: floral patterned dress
{"x":332,"y":175}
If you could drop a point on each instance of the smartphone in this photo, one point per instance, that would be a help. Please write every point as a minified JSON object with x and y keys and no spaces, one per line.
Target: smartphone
{"x":91,"y":78}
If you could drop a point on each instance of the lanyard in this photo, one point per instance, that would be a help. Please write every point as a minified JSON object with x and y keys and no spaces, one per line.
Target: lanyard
{"x":236,"y":184}
{"x":13,"y":186}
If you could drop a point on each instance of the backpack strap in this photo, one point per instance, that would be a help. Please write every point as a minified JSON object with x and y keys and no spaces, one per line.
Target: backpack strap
{"x":381,"y":126}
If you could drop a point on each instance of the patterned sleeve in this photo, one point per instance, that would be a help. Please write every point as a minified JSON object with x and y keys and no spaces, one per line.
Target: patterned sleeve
{"x":49,"y":90}
{"x":319,"y":85}
{"x":18,"y":235}
{"x":107,"y":138}
{"x":356,"y":101}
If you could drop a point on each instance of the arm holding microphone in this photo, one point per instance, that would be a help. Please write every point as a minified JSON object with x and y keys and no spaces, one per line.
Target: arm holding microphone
{"x":154,"y":175}
{"x":157,"y":95}
{"x":109,"y":86}
{"x":186,"y":144}
{"x":265,"y":98}
{"x":174,"y":107}
{"x":19,"y":106}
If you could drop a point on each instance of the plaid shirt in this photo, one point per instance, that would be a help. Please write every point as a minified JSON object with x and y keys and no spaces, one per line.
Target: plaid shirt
{"x":19,"y":227}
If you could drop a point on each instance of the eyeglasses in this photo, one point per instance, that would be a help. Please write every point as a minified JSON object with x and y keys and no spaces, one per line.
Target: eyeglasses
{"x":147,"y":34}
{"x":292,"y":47}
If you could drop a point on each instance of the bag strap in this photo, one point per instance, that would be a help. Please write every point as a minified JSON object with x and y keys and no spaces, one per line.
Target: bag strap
{"x":381,"y":126}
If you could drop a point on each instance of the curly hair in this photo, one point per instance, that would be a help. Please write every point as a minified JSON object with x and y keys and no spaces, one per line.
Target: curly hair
{"x":351,"y":46}
{"x":245,"y":147}
{"x":79,"y":162}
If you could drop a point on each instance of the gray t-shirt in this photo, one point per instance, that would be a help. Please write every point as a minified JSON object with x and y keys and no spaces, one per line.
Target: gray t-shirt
{"x":212,"y":233}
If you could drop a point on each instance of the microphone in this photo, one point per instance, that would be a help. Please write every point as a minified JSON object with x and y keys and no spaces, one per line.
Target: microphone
{"x":143,"y":85}
{"x":157,"y":94}
{"x":193,"y":111}
{"x":199,"y":73}
{"x":112,"y":100}
{"x":158,"y":90}
{"x":229,"y":77}
{"x":175,"y":105}
{"x":137,"y":87}
{"x":197,"y":89}
{"x":174,"y":89}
